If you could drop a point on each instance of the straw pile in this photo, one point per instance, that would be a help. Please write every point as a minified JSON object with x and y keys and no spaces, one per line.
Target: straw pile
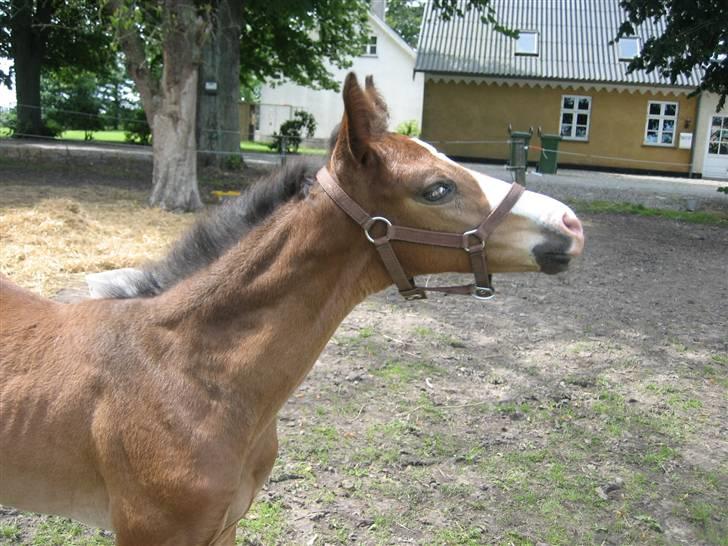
{"x":50,"y":237}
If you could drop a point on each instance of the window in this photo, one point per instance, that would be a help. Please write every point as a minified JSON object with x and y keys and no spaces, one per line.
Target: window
{"x":628,"y":48}
{"x":661,"y":123}
{"x":370,"y":48}
{"x":718,"y":142}
{"x":575,"y":114}
{"x":527,"y":42}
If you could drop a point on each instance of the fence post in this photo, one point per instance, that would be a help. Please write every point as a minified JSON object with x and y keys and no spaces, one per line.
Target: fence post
{"x":519,"y":156}
{"x":284,"y":145}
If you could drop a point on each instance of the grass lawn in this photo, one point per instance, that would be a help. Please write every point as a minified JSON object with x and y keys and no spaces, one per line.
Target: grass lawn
{"x":101,"y":136}
{"x":118,"y":136}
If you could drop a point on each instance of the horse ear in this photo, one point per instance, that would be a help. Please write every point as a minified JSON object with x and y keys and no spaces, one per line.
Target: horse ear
{"x":358,"y":126}
{"x":377,"y":100}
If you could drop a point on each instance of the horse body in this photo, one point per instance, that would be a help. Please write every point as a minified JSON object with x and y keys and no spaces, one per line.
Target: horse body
{"x":156,"y":416}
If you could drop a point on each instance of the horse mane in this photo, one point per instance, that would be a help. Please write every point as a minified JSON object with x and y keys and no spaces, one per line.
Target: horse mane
{"x":214,"y":234}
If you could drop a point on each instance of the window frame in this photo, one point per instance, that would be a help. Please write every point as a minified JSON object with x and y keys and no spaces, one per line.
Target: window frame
{"x":661,"y":117}
{"x":372,"y":41}
{"x":722,"y":132}
{"x":575,"y":112}
{"x":626,"y":39}
{"x":535,"y":43}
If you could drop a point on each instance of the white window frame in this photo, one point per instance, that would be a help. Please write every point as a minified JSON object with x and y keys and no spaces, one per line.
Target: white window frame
{"x":574,"y":113}
{"x":370,"y":48}
{"x":520,"y":50}
{"x":719,"y":135}
{"x":621,"y":55}
{"x":661,"y":119}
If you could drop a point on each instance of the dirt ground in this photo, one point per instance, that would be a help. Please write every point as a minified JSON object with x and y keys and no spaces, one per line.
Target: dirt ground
{"x":586,"y":408}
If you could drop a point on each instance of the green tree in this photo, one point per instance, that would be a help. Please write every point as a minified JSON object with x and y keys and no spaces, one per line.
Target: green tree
{"x":165,"y":43}
{"x":45,"y":35}
{"x":72,"y":100}
{"x":405,"y":16}
{"x":695,"y":38}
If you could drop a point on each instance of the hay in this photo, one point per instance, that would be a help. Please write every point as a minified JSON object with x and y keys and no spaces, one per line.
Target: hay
{"x":50,"y":237}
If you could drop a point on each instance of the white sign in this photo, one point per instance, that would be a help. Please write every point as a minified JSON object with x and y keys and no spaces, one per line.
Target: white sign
{"x":686,"y":141}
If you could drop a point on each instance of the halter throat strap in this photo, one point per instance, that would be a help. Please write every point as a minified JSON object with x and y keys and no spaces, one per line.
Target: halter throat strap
{"x":472,"y":241}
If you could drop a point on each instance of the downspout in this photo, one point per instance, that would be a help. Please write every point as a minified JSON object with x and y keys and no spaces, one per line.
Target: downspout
{"x":691,"y":172}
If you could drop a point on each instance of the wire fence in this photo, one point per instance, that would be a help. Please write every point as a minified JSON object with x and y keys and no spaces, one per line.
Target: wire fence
{"x":481,"y":152}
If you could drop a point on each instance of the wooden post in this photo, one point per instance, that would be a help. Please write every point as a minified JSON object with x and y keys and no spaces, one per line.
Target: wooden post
{"x":520,"y":162}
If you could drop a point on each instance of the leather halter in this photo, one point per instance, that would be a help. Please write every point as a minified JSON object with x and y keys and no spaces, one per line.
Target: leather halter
{"x":472,"y":241}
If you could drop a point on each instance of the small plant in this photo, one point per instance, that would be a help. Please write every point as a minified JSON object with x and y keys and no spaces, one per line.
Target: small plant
{"x":8,"y":121}
{"x":409,"y":128}
{"x":289,"y":134}
{"x":723,"y":189}
{"x":136,"y":128}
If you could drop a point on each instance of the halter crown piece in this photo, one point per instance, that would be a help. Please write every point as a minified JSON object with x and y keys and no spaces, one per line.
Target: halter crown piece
{"x":472,"y":241}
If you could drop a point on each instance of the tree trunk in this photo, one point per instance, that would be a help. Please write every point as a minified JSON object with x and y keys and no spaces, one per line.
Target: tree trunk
{"x":218,"y":115}
{"x":174,"y":178}
{"x":28,"y":42}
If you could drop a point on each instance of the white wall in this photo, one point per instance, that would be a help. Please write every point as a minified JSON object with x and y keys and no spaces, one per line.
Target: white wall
{"x":708,"y":104}
{"x":392,"y":69}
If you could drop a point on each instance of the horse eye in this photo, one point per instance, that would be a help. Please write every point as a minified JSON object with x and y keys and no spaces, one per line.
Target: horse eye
{"x":437,"y":192}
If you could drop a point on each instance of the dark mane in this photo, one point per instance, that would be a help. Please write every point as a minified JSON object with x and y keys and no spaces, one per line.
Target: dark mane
{"x":213,"y":235}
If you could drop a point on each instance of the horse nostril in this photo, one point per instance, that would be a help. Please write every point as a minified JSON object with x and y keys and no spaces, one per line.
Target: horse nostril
{"x":572,"y":224}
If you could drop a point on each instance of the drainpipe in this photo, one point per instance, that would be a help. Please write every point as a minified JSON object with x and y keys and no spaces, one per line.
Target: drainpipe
{"x":691,"y":172}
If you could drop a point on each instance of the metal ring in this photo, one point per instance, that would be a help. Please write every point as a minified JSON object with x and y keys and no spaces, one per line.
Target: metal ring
{"x":483,"y":293}
{"x":370,"y":223}
{"x":466,"y":240}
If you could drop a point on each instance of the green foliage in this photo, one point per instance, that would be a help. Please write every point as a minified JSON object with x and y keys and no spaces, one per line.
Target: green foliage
{"x":8,"y":119}
{"x":71,"y":101}
{"x":695,"y":37}
{"x":136,"y":128}
{"x":293,"y":40}
{"x":405,"y":17}
{"x":290,"y":132}
{"x":409,"y":128}
{"x":723,"y":189}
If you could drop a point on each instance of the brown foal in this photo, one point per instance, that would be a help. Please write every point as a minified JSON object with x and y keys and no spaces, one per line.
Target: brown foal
{"x":156,"y":416}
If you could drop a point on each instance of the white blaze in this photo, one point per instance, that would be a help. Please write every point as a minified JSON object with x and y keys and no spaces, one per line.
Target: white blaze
{"x":540,"y":209}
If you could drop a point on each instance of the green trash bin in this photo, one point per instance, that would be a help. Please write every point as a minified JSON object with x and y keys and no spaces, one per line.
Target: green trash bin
{"x":519,"y":138}
{"x":548,"y":159}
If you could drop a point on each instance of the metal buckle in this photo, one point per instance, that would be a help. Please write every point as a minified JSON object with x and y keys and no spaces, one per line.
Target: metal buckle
{"x":370,"y":223}
{"x":466,"y":241}
{"x":482,"y":293}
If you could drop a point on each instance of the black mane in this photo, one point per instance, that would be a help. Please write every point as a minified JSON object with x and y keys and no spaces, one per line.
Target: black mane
{"x":212,"y":236}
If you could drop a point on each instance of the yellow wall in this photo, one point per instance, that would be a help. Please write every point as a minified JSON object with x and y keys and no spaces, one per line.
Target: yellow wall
{"x":471,"y":111}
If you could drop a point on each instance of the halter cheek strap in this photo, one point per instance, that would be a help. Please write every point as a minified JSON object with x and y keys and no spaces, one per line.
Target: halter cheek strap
{"x":472,"y":241}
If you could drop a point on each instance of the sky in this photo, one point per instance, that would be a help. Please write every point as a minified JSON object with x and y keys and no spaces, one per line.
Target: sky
{"x":7,"y":96}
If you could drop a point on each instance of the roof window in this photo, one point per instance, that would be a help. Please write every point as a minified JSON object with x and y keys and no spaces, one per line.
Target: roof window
{"x":527,"y":42}
{"x":629,"y":48}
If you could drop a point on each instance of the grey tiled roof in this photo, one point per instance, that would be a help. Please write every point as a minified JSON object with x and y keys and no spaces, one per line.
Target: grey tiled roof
{"x":573,"y":41}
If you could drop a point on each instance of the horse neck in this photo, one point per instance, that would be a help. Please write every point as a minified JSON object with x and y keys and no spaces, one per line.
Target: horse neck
{"x":259,"y":317}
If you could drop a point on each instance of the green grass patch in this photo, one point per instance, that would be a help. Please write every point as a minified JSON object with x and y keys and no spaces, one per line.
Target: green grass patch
{"x":459,"y":536}
{"x":262,"y":148}
{"x":9,"y":532}
{"x":101,"y":136}
{"x":602,"y":207}
{"x":264,"y":524}
{"x":56,"y":531}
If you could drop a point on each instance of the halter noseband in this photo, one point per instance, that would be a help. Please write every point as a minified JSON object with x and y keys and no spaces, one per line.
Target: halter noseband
{"x":472,"y":241}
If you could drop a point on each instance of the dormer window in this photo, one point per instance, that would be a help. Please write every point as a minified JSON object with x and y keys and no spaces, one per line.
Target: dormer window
{"x":628,"y":48}
{"x":527,"y":43}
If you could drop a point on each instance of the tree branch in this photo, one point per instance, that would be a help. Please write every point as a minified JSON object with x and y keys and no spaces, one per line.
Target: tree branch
{"x":135,"y":59}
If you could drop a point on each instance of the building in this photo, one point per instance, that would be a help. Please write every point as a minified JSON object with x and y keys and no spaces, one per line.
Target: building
{"x":386,"y":57}
{"x":563,"y":75}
